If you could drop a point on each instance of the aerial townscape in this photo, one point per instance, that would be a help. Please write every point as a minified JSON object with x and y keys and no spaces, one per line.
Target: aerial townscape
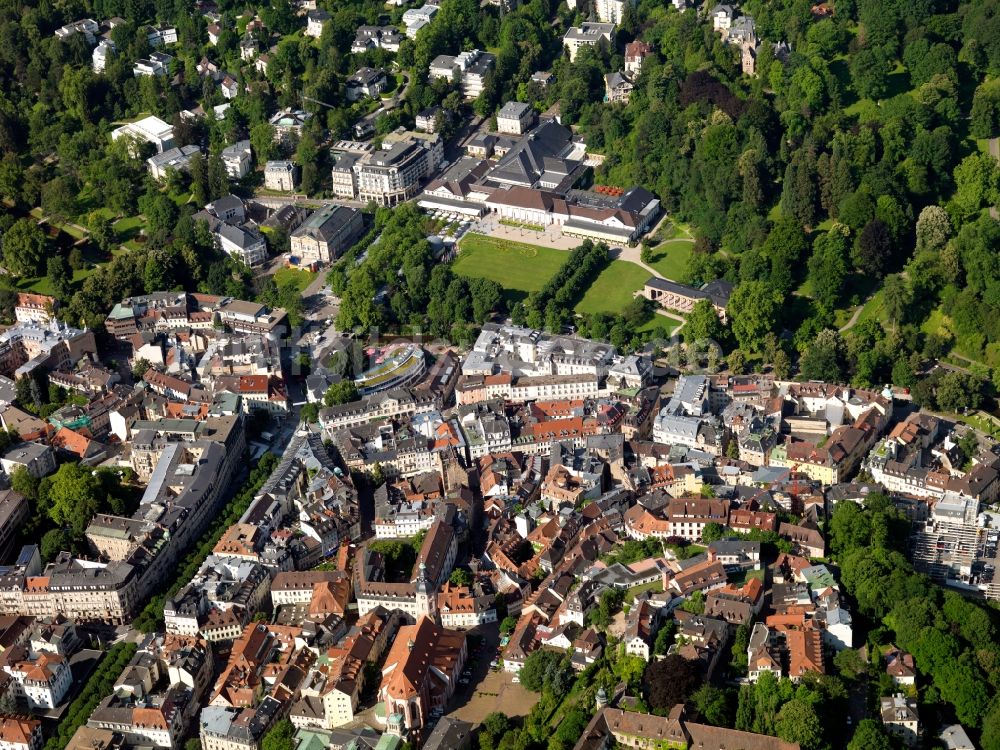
{"x":499,"y":375}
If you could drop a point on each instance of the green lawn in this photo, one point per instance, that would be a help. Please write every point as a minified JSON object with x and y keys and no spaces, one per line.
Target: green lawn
{"x":874,"y":309}
{"x":42,"y":285}
{"x":937,"y":322}
{"x":518,"y":267}
{"x":660,"y":323}
{"x":656,"y":587}
{"x":614,"y":288}
{"x":298,"y":276}
{"x":671,"y":258}
{"x":128,"y":228}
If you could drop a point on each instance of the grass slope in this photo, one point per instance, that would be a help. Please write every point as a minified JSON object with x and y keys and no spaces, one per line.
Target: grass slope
{"x":614,"y":288}
{"x":671,"y":258}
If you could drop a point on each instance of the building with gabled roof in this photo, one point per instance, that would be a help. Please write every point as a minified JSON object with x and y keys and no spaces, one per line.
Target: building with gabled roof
{"x":326,"y":234}
{"x":612,"y":726}
{"x":20,"y":733}
{"x":901,"y":717}
{"x":421,"y":673}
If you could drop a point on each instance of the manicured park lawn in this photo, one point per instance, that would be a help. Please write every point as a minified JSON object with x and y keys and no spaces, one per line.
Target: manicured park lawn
{"x":128,"y":228}
{"x":671,"y":258}
{"x":614,"y":288}
{"x":518,"y":267}
{"x":298,"y":276}
{"x":42,"y":285}
{"x":659,"y":322}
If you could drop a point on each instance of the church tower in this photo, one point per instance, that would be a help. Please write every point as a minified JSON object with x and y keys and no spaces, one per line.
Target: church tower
{"x":426,"y":596}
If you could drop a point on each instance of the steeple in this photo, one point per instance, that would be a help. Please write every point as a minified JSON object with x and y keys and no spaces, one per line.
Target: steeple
{"x":426,"y":595}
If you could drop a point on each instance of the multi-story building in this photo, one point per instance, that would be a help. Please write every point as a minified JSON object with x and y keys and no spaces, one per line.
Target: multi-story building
{"x":635,"y":53}
{"x":611,"y":11}
{"x":515,"y":118}
{"x":394,"y":173}
{"x":370,"y":82}
{"x":618,"y":87}
{"x":103,"y":52}
{"x":416,"y":18}
{"x":237,"y":159}
{"x":395,"y":403}
{"x":87,"y":27}
{"x":37,"y":459}
{"x":901,"y":718}
{"x":281,"y":175}
{"x":182,"y":496}
{"x":315,"y":20}
{"x":20,"y":733}
{"x":288,"y":124}
{"x":177,"y":159}
{"x":156,"y":65}
{"x":326,"y":234}
{"x":26,"y":346}
{"x":42,"y":678}
{"x":472,"y":67}
{"x":588,"y":34}
{"x":35,"y":308}
{"x":149,"y":130}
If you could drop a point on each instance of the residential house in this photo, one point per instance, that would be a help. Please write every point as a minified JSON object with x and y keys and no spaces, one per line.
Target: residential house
{"x":288,"y":124}
{"x":515,"y":118}
{"x":176,"y":159}
{"x":39,"y":460}
{"x":901,"y":718}
{"x":370,"y":82}
{"x":315,"y":20}
{"x":157,"y":64}
{"x":20,"y":733}
{"x":281,"y":176}
{"x":588,"y":34}
{"x":103,"y":52}
{"x":635,"y":53}
{"x":41,"y":678}
{"x":35,"y":308}
{"x":899,"y":666}
{"x":237,"y":159}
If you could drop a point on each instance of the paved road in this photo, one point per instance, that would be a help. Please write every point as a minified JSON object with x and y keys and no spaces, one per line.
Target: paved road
{"x":854,"y":316}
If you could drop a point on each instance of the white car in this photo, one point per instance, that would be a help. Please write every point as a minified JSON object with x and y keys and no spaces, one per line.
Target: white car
{"x":516,"y":680}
